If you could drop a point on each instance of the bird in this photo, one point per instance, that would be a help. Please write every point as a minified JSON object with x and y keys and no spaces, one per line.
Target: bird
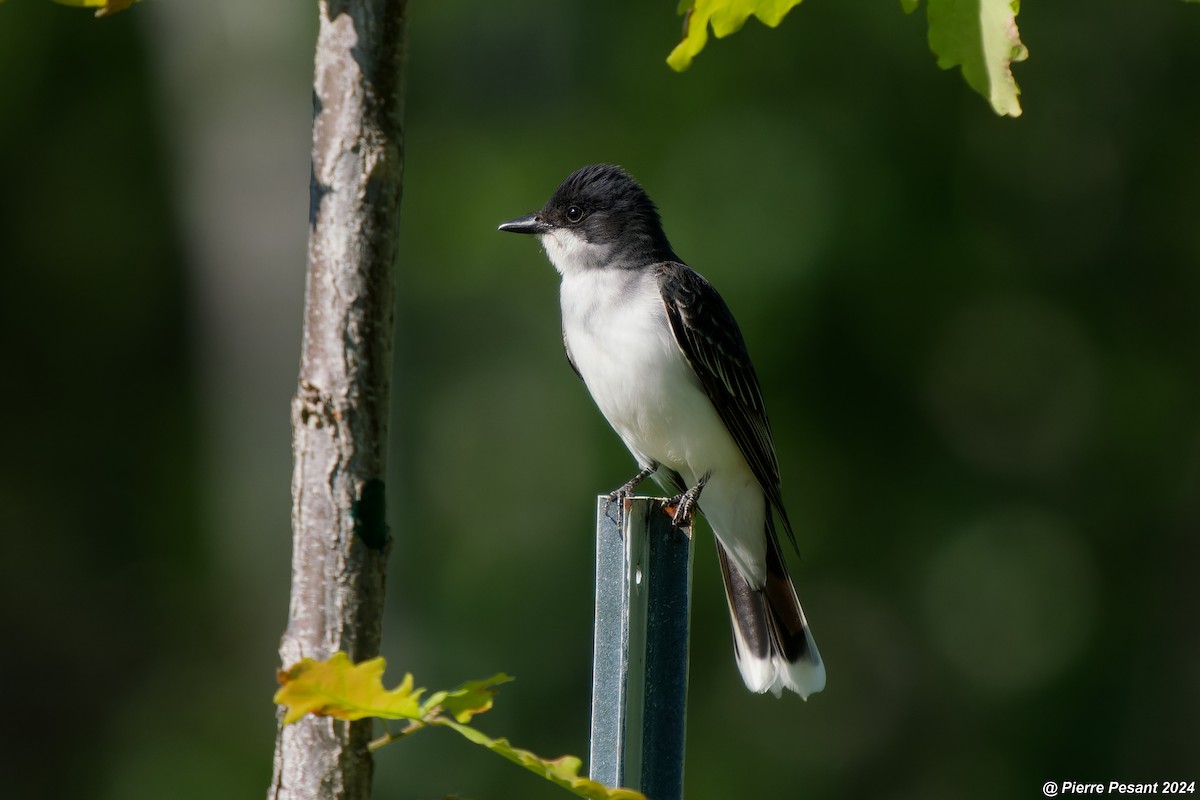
{"x":666,"y":363}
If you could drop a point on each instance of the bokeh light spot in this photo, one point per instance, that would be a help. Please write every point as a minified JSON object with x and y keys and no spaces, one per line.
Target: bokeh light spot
{"x":1011,"y":600}
{"x":1013,"y":385}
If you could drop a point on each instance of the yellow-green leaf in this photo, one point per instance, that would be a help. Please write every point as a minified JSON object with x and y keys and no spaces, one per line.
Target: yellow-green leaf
{"x":981,"y":36}
{"x":726,"y":16}
{"x":339,"y":688}
{"x":473,"y":697}
{"x":103,"y":7}
{"x":562,"y":771}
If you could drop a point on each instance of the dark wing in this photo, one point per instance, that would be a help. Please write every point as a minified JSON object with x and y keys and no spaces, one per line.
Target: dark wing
{"x":570,"y":358}
{"x":710,"y":339}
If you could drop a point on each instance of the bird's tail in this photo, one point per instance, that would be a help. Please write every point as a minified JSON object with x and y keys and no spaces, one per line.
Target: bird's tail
{"x":773,"y":645}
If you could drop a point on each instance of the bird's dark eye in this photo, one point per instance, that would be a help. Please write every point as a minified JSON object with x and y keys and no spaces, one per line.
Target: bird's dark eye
{"x":574,"y":213}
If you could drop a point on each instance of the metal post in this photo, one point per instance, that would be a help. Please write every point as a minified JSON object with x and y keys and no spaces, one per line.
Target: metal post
{"x":640,"y":661}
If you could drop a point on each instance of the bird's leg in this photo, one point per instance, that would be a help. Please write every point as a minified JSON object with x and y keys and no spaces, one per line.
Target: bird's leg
{"x":627,"y":488}
{"x":685,"y":504}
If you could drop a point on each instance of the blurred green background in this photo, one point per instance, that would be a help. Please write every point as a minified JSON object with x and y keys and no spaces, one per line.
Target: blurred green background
{"x":978,"y":339}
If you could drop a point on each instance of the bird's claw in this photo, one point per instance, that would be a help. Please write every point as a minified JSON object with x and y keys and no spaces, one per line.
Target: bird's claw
{"x":682,"y":507}
{"x":617,"y":497}
{"x":626,"y":489}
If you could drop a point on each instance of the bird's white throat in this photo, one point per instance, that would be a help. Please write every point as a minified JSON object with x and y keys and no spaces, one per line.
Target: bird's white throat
{"x":570,"y":253}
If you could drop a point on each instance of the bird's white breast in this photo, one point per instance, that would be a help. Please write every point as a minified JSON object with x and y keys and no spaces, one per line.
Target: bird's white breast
{"x":620,"y":339}
{"x":616,"y":328}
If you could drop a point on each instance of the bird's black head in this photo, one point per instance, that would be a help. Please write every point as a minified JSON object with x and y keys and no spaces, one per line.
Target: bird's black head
{"x":604,"y":208}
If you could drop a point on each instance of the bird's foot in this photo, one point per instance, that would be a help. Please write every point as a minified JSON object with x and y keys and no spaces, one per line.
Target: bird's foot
{"x":626,"y":489}
{"x":683,"y":506}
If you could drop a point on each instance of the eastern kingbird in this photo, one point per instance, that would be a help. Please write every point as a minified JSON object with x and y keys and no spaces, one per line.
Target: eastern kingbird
{"x":664,"y":360}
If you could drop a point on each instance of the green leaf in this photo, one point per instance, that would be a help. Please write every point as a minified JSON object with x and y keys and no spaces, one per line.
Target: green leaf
{"x":339,"y":688}
{"x":473,"y":697}
{"x":909,"y":6}
{"x":103,"y":7}
{"x":562,"y":771}
{"x":980,"y":36}
{"x":726,"y":16}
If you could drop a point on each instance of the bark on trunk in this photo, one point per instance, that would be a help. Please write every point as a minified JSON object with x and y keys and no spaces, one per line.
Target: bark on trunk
{"x":340,"y":412}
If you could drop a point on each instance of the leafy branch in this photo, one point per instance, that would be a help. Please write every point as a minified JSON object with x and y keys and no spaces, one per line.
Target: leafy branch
{"x":103,"y":7}
{"x":341,"y":689}
{"x":978,"y":35}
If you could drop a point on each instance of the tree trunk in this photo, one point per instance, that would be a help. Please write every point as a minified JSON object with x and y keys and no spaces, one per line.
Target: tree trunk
{"x":340,"y":412}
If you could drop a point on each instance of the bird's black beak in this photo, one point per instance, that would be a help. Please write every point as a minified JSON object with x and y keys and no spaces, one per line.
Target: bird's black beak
{"x":530,"y":223}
